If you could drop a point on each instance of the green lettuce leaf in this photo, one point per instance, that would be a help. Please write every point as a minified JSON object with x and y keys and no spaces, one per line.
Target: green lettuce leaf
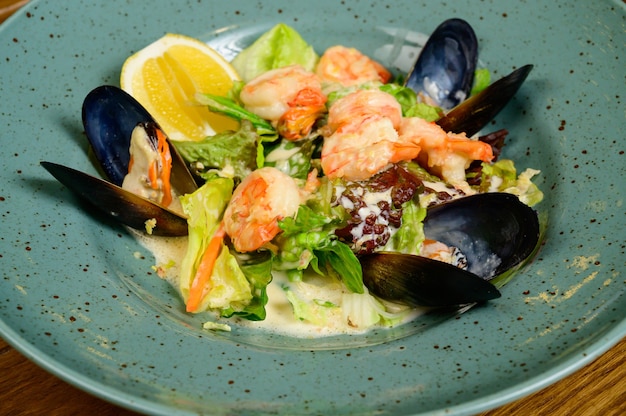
{"x":482,"y":78}
{"x":315,"y":311}
{"x":408,"y":101}
{"x":231,"y":108}
{"x":502,"y":176}
{"x":257,"y":268}
{"x":410,"y":235}
{"x":231,"y":151}
{"x":204,"y":209}
{"x":307,"y":240}
{"x":290,"y":157}
{"x":276,"y":48}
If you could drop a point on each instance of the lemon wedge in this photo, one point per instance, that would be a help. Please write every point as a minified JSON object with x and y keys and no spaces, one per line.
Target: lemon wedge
{"x":165,"y":76}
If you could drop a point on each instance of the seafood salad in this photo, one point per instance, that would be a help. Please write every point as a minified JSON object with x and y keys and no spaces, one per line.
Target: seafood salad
{"x":335,"y":160}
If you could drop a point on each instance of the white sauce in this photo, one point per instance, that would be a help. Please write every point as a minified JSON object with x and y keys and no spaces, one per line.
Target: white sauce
{"x":168,"y":252}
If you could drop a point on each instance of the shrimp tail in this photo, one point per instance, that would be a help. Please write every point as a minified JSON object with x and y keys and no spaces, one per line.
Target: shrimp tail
{"x":306,"y":107}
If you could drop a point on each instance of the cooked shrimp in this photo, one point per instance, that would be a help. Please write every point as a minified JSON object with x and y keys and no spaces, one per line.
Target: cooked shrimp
{"x":447,"y":155}
{"x":290,"y":97}
{"x":363,"y":139}
{"x":261,"y":199}
{"x":348,"y":67}
{"x":364,"y":103}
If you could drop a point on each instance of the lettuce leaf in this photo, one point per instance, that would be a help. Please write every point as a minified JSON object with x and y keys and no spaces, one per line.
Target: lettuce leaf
{"x":231,"y":108}
{"x":204,"y":209}
{"x":502,"y":177}
{"x":231,"y":151}
{"x":290,"y":157}
{"x":316,"y":311}
{"x":257,"y":268}
{"x":482,"y":78}
{"x":409,"y":237}
{"x":307,"y":240}
{"x":276,"y":48}
{"x":408,"y":101}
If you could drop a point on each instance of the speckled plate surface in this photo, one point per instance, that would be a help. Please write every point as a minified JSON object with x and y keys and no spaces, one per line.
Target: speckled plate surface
{"x":77,"y":299}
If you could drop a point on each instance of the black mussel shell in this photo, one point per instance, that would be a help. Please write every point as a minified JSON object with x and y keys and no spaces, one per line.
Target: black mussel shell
{"x":495,"y":231}
{"x":444,"y":69}
{"x":419,"y":281}
{"x":109,"y":117}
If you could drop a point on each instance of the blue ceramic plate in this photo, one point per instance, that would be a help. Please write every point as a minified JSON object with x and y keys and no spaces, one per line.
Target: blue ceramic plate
{"x":77,"y":294}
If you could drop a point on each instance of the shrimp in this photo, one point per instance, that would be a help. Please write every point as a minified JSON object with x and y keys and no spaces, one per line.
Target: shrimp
{"x":290,"y":98}
{"x":263,"y":198}
{"x":363,"y":139}
{"x":348,"y":67}
{"x":445,"y":154}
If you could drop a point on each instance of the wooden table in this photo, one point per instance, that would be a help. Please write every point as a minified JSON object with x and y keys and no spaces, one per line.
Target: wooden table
{"x":25,"y":389}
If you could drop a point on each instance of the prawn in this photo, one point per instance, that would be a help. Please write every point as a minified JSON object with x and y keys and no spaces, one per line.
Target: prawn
{"x":290,"y":97}
{"x":362,"y":139}
{"x":264,"y":197}
{"x":349,"y":67}
{"x":447,"y":155}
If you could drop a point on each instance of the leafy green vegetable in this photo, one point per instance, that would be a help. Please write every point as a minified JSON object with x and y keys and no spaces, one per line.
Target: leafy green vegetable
{"x":405,"y":96}
{"x":307,"y":240}
{"x":408,"y":101}
{"x":290,"y":157}
{"x":257,"y":268}
{"x":482,"y":78}
{"x":362,"y":310}
{"x":410,"y":235}
{"x":502,"y":176}
{"x":315,"y":311}
{"x":235,"y":150}
{"x":204,"y":209}
{"x":276,"y":48}
{"x":229,"y":107}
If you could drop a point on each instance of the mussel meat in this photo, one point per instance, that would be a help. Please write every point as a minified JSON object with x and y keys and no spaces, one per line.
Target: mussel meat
{"x":494,"y":231}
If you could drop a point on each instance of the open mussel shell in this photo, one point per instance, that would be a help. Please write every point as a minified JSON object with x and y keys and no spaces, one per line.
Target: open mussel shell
{"x":444,"y":69}
{"x":121,"y":205}
{"x":109,"y":116}
{"x":474,"y":113}
{"x":419,"y":281}
{"x":495,"y":231}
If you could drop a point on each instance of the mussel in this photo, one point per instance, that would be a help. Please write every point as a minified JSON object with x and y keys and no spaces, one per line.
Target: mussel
{"x":444,"y":71}
{"x":494,"y":231}
{"x":111,"y":117}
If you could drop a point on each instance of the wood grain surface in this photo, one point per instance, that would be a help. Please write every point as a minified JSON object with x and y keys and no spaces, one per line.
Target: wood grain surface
{"x":25,"y":389}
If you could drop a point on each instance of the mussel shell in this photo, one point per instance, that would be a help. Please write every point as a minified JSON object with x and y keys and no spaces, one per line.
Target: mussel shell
{"x":495,"y":231}
{"x":448,"y":62}
{"x":474,"y":113}
{"x":419,"y":281}
{"x":109,"y":117}
{"x":119,"y":204}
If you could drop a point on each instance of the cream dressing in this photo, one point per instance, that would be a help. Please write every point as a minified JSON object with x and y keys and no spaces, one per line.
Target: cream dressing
{"x":168,"y":252}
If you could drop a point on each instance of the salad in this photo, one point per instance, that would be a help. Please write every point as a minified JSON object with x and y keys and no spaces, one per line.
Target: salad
{"x":333,"y":158}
